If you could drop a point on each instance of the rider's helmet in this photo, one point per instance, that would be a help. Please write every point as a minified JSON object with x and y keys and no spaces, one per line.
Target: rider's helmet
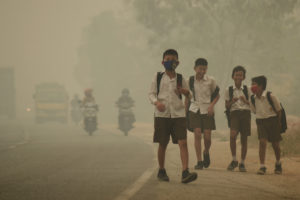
{"x":88,"y":92}
{"x":125,"y":91}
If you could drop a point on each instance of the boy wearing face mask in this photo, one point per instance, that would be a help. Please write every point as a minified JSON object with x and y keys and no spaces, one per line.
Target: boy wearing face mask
{"x":267,"y":120}
{"x":238,"y":105}
{"x":201,"y":110}
{"x":165,"y":94}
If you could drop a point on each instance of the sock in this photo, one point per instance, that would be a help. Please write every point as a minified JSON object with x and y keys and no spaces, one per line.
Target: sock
{"x":262,"y":165}
{"x":234,"y":158}
{"x":242,"y":162}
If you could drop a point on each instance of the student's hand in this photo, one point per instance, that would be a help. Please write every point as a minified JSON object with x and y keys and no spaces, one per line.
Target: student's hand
{"x":243,"y":98}
{"x":160,"y":106}
{"x":210,"y":110}
{"x":183,"y":91}
{"x":235,"y":99}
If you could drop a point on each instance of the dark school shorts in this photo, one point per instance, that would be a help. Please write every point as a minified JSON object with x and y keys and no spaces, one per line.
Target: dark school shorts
{"x":202,"y":121}
{"x":166,"y":127}
{"x":240,"y":121}
{"x":269,"y":129}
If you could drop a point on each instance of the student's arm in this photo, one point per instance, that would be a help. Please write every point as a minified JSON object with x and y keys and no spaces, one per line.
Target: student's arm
{"x":227,"y":99}
{"x":153,"y":93}
{"x":185,"y":89}
{"x":277,"y":107}
{"x":153,"y":96}
{"x":213,"y":103}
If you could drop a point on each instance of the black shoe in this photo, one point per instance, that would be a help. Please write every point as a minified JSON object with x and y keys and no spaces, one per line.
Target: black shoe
{"x":262,"y":171}
{"x":242,"y":167}
{"x":162,"y":175}
{"x":188,"y":177}
{"x":206,"y":161}
{"x":278,"y":169}
{"x":199,"y":165}
{"x":232,"y":165}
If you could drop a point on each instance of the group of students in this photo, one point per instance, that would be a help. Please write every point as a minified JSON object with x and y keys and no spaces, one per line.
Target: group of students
{"x":172,"y":116}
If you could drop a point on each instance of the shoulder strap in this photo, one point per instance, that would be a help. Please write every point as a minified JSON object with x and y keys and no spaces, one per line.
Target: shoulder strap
{"x":270,"y":100}
{"x":179,"y":82}
{"x":230,"y":93}
{"x":253,"y":100}
{"x":191,"y":85}
{"x":158,"y":79}
{"x":245,"y":90}
{"x":215,"y":94}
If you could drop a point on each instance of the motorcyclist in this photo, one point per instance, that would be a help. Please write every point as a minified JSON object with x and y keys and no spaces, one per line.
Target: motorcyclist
{"x":125,"y":103}
{"x":90,"y":108}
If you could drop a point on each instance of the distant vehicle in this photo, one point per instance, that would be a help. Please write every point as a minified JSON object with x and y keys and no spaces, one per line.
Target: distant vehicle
{"x":90,"y":110}
{"x":7,"y":93}
{"x":51,"y":103}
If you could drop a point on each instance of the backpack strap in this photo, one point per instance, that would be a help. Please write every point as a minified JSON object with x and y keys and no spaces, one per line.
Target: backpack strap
{"x":245,"y":90}
{"x":230,"y":89}
{"x":179,"y":82}
{"x":191,"y":85}
{"x":253,"y":100}
{"x":214,"y":94}
{"x":158,"y":79}
{"x":271,"y":101}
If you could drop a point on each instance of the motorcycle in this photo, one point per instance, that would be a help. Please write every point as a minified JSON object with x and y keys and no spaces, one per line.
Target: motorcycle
{"x":90,"y":117}
{"x":126,"y":119}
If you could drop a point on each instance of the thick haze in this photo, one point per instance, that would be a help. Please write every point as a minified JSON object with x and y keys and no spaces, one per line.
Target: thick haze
{"x":108,"y":46}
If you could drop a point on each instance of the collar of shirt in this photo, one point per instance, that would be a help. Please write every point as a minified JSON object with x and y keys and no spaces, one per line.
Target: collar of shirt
{"x":264,"y":94}
{"x":171,"y":79}
{"x":235,"y":88}
{"x":205,"y":78}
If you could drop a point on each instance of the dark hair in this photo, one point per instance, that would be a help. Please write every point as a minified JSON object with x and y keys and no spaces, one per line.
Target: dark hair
{"x":201,"y":61}
{"x":261,"y":81}
{"x":170,"y":52}
{"x":239,"y":69}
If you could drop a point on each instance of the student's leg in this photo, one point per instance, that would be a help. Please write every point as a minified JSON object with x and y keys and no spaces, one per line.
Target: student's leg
{"x":207,"y":140}
{"x":277,"y":150}
{"x":244,"y":143}
{"x":233,"y":136}
{"x":198,"y":136}
{"x":262,"y":150}
{"x":161,"y":154}
{"x":184,"y":154}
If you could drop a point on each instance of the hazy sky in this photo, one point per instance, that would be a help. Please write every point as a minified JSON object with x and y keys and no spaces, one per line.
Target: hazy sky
{"x":40,"y":39}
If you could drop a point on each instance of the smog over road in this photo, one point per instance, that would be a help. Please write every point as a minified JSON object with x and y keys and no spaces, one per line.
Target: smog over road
{"x":79,"y":102}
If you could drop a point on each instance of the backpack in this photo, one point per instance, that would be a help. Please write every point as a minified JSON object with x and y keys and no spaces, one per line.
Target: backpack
{"x":227,"y":111}
{"x":212,"y":97}
{"x":159,"y":77}
{"x":283,"y":127}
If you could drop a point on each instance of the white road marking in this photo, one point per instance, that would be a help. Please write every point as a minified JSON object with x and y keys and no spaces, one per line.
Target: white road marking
{"x":136,"y":186}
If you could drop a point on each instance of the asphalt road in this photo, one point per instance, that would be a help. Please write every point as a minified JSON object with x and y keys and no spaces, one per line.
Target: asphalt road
{"x":62,"y":162}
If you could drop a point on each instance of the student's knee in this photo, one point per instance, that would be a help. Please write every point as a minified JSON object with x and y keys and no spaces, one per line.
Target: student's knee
{"x":198,"y":133}
{"x":263,"y":142}
{"x":163,"y":146}
{"x":233,"y":134}
{"x":276,"y":145}
{"x":244,"y":140}
{"x":182,"y":143}
{"x":207,"y":135}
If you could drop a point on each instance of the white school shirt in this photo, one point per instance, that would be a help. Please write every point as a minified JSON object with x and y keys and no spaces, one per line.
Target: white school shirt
{"x":263,"y":108}
{"x":174,"y":105}
{"x":203,"y":91}
{"x":237,"y":92}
